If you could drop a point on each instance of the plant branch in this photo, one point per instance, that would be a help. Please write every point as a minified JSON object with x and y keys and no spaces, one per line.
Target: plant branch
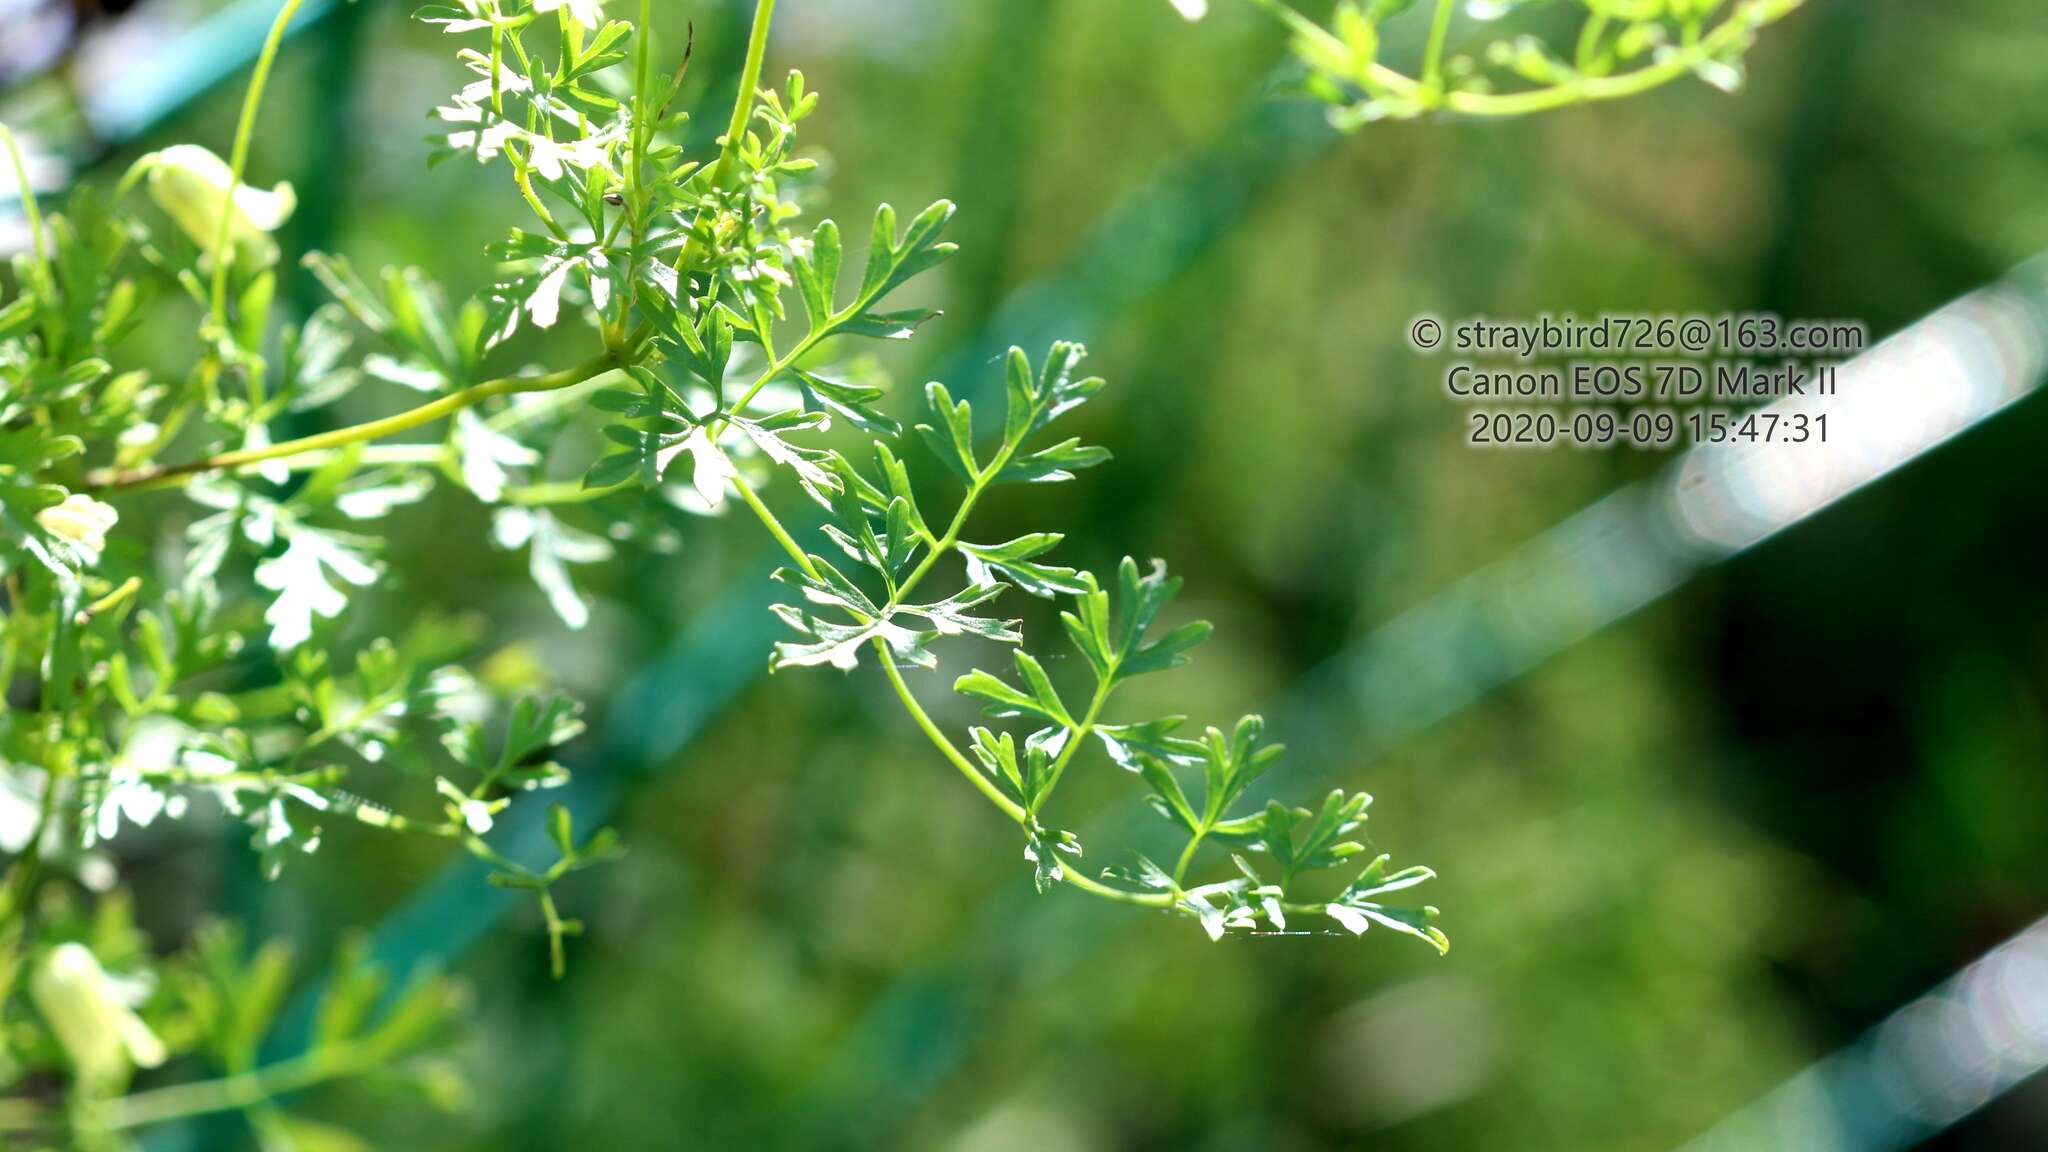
{"x":1592,"y":89}
{"x":1428,"y":92}
{"x":359,"y":433}
{"x":938,"y":738}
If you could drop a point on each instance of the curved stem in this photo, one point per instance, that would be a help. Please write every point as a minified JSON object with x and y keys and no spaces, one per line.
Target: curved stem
{"x":1080,"y":880}
{"x":975,"y":776}
{"x":370,"y":430}
{"x":133,"y":176}
{"x":238,"y":161}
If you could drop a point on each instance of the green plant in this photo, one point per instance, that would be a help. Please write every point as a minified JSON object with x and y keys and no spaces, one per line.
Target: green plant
{"x":718,"y":327}
{"x":1623,"y":48}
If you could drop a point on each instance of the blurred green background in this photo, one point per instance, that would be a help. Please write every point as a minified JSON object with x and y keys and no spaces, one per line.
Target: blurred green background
{"x":1679,"y":861}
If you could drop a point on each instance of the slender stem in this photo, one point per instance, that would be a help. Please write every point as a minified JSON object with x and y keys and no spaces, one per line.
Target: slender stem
{"x":776,"y":366}
{"x":1081,"y":731}
{"x":554,"y":492}
{"x":1433,"y":57}
{"x":1187,"y":856}
{"x":558,"y":963}
{"x":774,"y":526}
{"x":28,"y":206}
{"x":1589,"y":40}
{"x":1695,"y":50}
{"x":238,"y":162}
{"x":133,"y":176}
{"x":525,"y":183}
{"x":233,"y":1093}
{"x":975,"y":776}
{"x":1591,"y":89}
{"x":742,"y":112}
{"x":1080,"y":880}
{"x":951,"y":539}
{"x":21,"y":885}
{"x":634,"y":209}
{"x":750,"y":83}
{"x":370,"y":430}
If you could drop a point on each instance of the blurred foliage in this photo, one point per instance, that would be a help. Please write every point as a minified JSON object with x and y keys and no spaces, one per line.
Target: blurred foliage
{"x":1688,"y":857}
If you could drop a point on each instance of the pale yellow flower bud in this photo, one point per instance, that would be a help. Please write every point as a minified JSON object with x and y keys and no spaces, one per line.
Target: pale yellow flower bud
{"x":191,"y":185}
{"x":83,"y":1007}
{"x":80,"y":520}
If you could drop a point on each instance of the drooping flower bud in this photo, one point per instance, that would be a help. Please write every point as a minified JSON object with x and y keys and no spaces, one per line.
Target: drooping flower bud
{"x":101,"y":1034}
{"x":80,"y":521}
{"x":191,"y":185}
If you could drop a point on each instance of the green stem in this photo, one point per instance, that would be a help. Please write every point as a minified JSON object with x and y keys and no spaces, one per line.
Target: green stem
{"x":951,"y":539}
{"x":1696,"y":49}
{"x":975,"y":776}
{"x":742,"y":112}
{"x":1589,"y":40}
{"x":1081,"y":731}
{"x":133,"y":177}
{"x":370,"y":430}
{"x":774,"y":526}
{"x":776,"y":367}
{"x":750,"y":83}
{"x":1079,"y":880}
{"x":28,"y":206}
{"x":1592,"y":89}
{"x":21,"y":885}
{"x":1433,"y":57}
{"x":558,"y":962}
{"x":238,"y":162}
{"x":233,"y":1093}
{"x":1187,"y":857}
{"x":556,"y":492}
